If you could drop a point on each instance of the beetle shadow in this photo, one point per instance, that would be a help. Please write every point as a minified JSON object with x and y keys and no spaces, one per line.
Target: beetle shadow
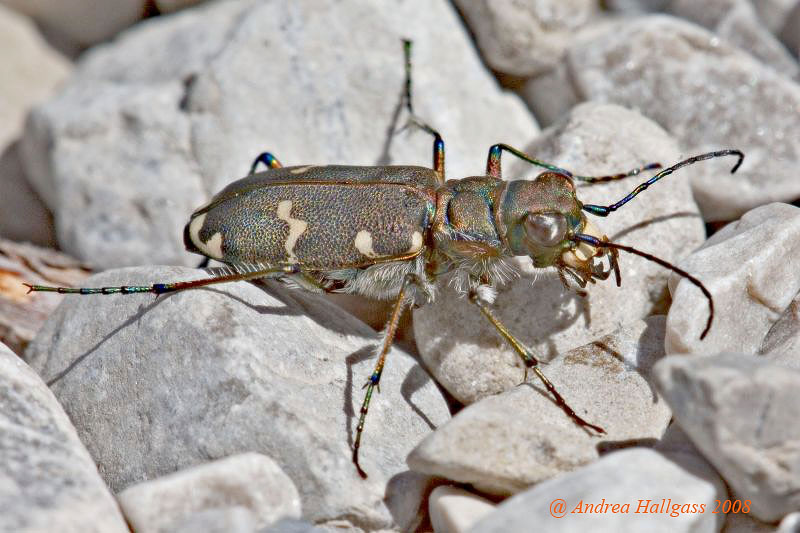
{"x":298,"y":302}
{"x":654,"y":220}
{"x":415,"y":379}
{"x":362,"y":354}
{"x":565,"y":307}
{"x":144,"y":308}
{"x":295,"y":303}
{"x":645,"y":359}
{"x":385,"y":157}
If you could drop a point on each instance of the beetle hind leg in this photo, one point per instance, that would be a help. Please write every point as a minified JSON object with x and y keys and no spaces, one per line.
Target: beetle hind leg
{"x":162,"y":288}
{"x":400,"y":304}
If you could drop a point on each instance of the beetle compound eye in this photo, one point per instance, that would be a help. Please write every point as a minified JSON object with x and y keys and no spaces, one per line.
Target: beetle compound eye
{"x":546,"y":229}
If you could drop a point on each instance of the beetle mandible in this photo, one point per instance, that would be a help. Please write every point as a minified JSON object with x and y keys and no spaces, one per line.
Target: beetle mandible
{"x":404,"y":228}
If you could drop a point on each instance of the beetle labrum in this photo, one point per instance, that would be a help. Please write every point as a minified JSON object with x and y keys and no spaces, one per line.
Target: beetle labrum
{"x":405,"y":228}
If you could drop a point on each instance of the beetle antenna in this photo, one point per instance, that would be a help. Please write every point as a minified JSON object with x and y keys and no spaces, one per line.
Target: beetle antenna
{"x":604,"y":210}
{"x":594,"y":241}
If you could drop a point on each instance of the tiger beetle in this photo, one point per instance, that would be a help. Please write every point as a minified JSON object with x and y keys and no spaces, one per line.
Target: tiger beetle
{"x":390,"y":232}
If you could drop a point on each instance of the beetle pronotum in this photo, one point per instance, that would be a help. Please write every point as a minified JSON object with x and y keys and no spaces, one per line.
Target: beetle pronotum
{"x":404,"y":228}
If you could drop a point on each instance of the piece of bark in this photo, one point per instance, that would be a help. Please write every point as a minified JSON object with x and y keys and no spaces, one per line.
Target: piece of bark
{"x":21,"y":313}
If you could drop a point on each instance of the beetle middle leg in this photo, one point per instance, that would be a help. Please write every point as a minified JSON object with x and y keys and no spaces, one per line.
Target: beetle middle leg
{"x":493,"y":166}
{"x":373,"y":382}
{"x":531,"y":362}
{"x":269,"y":160}
{"x":438,"y":142}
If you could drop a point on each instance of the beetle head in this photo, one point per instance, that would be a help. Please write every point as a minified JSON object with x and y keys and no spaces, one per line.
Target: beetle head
{"x":541,"y":217}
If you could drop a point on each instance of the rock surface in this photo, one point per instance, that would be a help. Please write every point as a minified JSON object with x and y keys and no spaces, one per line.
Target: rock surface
{"x":525,"y":38}
{"x":775,"y":12}
{"x":750,"y":267}
{"x":505,"y":443}
{"x":743,"y":415}
{"x":225,"y":520}
{"x":155,"y":385}
{"x":29,"y":72}
{"x":790,"y":524}
{"x":250,"y":482}
{"x":454,"y":510}
{"x":24,"y":217}
{"x":189,"y":100}
{"x":473,"y":361}
{"x":636,"y":6}
{"x":782,"y":343}
{"x":168,"y":6}
{"x":635,"y":477}
{"x":81,"y":22}
{"x":47,"y":478}
{"x":737,"y":22}
{"x":706,"y":93}
{"x":790,"y":34}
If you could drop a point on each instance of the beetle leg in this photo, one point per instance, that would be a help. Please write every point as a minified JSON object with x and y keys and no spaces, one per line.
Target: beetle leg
{"x":561,"y":276}
{"x":493,"y":166}
{"x":530,"y":361}
{"x":438,"y":143}
{"x":269,"y":160}
{"x":373,"y":382}
{"x":161,"y":288}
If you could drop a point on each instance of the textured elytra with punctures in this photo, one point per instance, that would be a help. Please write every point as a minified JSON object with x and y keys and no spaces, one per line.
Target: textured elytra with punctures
{"x":322,"y":218}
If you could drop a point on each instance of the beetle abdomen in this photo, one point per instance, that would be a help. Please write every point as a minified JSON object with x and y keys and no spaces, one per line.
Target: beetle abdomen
{"x":320,"y":226}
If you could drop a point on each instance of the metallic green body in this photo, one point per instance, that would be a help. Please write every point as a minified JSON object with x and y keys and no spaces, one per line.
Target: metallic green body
{"x":361,"y":229}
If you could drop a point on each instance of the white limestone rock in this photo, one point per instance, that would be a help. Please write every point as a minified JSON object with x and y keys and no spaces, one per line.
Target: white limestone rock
{"x":505,"y":443}
{"x":455,"y":510}
{"x":782,"y":343}
{"x":249,"y":481}
{"x":48,"y":481}
{"x":80,"y":23}
{"x":707,"y":93}
{"x":158,"y":384}
{"x":168,"y":6}
{"x":639,"y":478}
{"x":528,"y":37}
{"x":750,"y":267}
{"x":30,"y":70}
{"x":742,"y":413}
{"x":737,"y":22}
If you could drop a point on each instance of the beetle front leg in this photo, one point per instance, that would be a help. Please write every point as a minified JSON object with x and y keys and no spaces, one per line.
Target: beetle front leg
{"x":493,"y":166}
{"x":269,"y":160}
{"x":529,"y":360}
{"x":374,"y":379}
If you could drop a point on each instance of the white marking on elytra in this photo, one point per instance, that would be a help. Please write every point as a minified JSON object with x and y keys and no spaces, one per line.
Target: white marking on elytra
{"x":212,"y":248}
{"x":296,"y":228}
{"x":363,"y":243}
{"x":301,"y":170}
{"x":416,"y":242}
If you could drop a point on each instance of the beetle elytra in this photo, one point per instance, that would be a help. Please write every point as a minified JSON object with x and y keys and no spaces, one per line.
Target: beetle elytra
{"x":391,"y":232}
